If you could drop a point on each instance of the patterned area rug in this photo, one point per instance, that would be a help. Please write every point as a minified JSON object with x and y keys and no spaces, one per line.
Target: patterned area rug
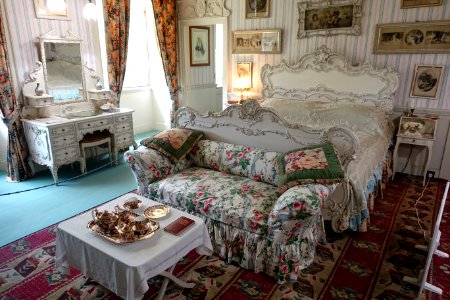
{"x":367,"y":265}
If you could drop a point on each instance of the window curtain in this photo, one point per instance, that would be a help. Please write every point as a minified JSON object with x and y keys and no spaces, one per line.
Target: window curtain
{"x":17,"y":150}
{"x":166,"y":28}
{"x":117,"y":21}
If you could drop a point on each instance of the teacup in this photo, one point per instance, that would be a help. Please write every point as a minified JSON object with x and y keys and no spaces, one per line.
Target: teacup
{"x":141,"y":225}
{"x":132,"y":203}
{"x":126,"y":216}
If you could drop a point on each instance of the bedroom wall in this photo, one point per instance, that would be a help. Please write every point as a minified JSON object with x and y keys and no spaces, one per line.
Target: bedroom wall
{"x":284,"y":15}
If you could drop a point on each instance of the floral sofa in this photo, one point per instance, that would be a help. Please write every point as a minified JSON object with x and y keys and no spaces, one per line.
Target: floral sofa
{"x":253,"y":220}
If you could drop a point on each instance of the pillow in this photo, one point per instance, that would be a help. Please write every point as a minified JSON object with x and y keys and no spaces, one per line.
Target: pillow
{"x":318,"y":163}
{"x":175,"y":143}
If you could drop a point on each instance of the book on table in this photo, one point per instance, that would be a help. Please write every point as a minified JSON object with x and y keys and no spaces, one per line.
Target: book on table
{"x":179,"y":225}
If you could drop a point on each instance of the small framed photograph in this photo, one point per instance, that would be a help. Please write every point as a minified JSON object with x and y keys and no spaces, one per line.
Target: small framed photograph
{"x":58,"y":10}
{"x":200,"y":46}
{"x":257,"y":9}
{"x":417,"y":37}
{"x":419,"y":3}
{"x":257,"y":41}
{"x":326,"y":18}
{"x":427,"y":81}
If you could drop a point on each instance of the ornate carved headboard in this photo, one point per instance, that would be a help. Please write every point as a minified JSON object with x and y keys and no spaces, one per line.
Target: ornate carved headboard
{"x":252,"y":125}
{"x":326,"y":76}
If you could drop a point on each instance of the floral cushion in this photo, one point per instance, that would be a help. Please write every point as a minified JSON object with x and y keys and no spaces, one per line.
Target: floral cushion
{"x":254,"y":163}
{"x":310,"y":164}
{"x":175,"y":143}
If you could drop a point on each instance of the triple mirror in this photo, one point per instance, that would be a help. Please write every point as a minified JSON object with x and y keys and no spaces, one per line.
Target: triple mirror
{"x":62,"y":62}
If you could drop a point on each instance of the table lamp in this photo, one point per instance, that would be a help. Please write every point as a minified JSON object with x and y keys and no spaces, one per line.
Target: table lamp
{"x":243,"y":82}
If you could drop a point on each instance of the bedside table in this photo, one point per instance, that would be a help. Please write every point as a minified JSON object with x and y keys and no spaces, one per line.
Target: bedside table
{"x":417,"y":131}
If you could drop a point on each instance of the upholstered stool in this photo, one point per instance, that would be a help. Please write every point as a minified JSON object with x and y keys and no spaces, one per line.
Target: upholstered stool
{"x":94,"y":140}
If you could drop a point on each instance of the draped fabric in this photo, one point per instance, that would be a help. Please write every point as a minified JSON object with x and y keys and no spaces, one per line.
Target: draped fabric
{"x":117,"y":21}
{"x":166,"y":28}
{"x":17,"y":150}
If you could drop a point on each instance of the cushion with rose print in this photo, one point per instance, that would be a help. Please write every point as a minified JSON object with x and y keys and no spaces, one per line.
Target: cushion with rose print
{"x":175,"y":143}
{"x":318,"y":163}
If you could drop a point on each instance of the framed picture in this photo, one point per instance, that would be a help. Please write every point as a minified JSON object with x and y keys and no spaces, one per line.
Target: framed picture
{"x":244,"y":72}
{"x":257,"y":9}
{"x":418,"y":37}
{"x":257,"y":41}
{"x":419,"y":3}
{"x":200,"y":46}
{"x":427,"y":81}
{"x":327,"y":18}
{"x":57,"y":9}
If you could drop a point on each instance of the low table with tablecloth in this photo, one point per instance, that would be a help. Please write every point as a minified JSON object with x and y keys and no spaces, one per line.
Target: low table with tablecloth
{"x":125,"y":268}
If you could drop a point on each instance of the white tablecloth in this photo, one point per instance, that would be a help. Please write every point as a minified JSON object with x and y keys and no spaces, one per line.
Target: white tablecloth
{"x":125,"y":268}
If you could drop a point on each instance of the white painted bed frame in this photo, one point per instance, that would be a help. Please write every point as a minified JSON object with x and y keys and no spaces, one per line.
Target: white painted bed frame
{"x":323,"y":76}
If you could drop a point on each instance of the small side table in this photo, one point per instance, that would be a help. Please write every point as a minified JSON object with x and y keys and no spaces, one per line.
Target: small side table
{"x":417,"y":131}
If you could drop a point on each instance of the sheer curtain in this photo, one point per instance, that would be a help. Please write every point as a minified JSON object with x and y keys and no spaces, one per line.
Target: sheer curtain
{"x":17,"y":150}
{"x":117,"y":20}
{"x":166,"y":28}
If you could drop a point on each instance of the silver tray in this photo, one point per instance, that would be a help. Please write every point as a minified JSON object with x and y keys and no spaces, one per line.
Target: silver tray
{"x":156,"y":211}
{"x":115,"y":237}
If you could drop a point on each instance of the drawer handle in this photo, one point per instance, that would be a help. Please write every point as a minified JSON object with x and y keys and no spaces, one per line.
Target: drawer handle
{"x":67,"y":153}
{"x":64,"y":139}
{"x":101,"y":123}
{"x":89,"y":124}
{"x":123,"y":127}
{"x":63,"y":130}
{"x":414,"y":141}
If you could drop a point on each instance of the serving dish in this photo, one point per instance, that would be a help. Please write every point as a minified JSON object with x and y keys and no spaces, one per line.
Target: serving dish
{"x":156,"y":211}
{"x":117,"y":237}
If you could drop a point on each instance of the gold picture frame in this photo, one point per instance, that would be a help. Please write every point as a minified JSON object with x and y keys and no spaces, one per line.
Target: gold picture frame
{"x":255,"y":9}
{"x":199,"y":42}
{"x":427,"y":81}
{"x":417,"y":37}
{"x":256,"y":41}
{"x":43,"y":11}
{"x":419,"y":3}
{"x":326,"y":18}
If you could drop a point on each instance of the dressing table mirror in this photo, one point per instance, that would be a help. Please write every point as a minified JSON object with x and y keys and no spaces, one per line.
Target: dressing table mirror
{"x":63,"y":68}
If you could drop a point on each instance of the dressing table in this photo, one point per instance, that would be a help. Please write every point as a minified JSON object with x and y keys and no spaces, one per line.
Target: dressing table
{"x":54,"y":141}
{"x":56,"y":121}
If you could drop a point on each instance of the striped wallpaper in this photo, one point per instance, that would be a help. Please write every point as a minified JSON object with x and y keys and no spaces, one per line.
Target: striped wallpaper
{"x":25,"y":28}
{"x":284,"y":15}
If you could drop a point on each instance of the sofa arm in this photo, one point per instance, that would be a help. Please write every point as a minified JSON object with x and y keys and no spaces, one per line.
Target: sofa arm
{"x":149,"y":165}
{"x":296,"y":211}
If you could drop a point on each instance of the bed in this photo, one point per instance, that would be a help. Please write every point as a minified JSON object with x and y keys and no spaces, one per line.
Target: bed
{"x":321,"y":90}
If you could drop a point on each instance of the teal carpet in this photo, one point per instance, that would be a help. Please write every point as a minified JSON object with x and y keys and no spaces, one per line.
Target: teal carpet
{"x":22,"y":213}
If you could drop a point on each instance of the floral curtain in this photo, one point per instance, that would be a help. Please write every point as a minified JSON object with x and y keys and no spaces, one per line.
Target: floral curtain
{"x":17,"y":150}
{"x":117,"y":20}
{"x":166,"y":28}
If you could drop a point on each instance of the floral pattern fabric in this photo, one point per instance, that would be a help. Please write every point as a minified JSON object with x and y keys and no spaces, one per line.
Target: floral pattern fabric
{"x":117,"y":21}
{"x":166,"y":30}
{"x":254,"y":163}
{"x":17,"y":149}
{"x":249,"y":221}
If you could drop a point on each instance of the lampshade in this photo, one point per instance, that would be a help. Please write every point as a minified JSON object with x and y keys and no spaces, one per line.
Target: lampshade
{"x":90,"y":11}
{"x":243,"y":83}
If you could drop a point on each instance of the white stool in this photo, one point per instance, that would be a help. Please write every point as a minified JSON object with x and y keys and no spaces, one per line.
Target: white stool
{"x":93,"y":140}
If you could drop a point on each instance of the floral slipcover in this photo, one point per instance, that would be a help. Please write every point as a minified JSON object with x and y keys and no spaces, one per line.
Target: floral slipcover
{"x":234,"y":189}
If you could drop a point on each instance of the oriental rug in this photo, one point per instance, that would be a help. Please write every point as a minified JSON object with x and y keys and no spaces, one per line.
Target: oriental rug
{"x":367,"y":265}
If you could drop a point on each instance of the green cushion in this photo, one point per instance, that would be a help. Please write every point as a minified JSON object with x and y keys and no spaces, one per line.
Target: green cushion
{"x":175,"y":143}
{"x":318,"y":163}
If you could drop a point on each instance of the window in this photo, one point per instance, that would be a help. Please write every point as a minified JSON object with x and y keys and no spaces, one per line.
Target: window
{"x":142,"y":45}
